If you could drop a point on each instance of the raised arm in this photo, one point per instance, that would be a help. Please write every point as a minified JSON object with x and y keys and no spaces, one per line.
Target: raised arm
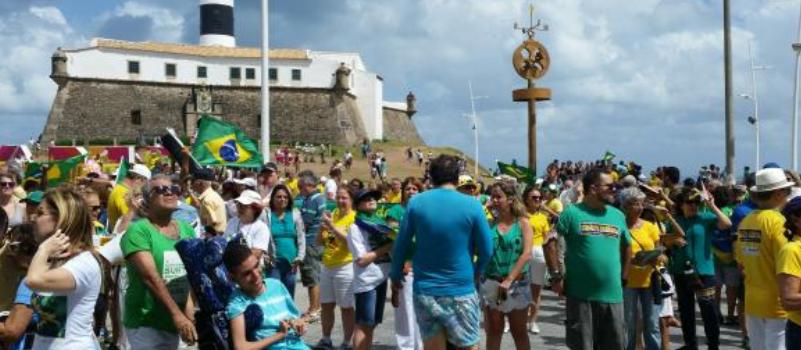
{"x":41,"y":277}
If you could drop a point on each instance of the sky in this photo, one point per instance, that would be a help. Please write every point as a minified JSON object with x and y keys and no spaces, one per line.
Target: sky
{"x":642,"y":79}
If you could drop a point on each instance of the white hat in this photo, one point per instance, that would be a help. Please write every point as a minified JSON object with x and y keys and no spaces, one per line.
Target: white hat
{"x":770,"y":179}
{"x":141,"y":170}
{"x":249,"y":197}
{"x":247,"y":182}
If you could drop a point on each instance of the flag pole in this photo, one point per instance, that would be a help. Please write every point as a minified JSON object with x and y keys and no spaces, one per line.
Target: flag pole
{"x":265,"y":84}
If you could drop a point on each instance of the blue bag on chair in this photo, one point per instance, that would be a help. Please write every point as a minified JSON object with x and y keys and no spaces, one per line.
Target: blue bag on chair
{"x":202,"y":259}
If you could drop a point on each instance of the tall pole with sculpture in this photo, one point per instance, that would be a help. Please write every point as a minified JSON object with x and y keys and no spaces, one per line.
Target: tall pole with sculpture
{"x":531,"y":62}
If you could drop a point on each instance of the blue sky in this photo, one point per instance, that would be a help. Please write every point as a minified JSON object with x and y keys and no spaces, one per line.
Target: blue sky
{"x":643,"y":78}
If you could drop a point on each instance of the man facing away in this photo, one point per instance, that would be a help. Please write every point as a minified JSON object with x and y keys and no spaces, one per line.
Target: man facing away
{"x":597,"y":241}
{"x":448,"y":229}
{"x":760,"y":237}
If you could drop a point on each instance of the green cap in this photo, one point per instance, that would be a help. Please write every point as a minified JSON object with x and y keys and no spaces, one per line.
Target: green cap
{"x":34,"y":197}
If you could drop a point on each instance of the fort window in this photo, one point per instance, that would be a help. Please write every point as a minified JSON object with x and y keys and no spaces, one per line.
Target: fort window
{"x":273,"y":74}
{"x":236,"y":73}
{"x":169,"y":70}
{"x":133,"y":67}
{"x":201,"y":72}
{"x":296,"y":74}
{"x":250,"y":73}
{"x":136,"y":117}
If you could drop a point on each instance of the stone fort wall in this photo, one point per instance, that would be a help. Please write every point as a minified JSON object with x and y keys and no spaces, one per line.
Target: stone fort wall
{"x":398,"y":126}
{"x":89,"y":109}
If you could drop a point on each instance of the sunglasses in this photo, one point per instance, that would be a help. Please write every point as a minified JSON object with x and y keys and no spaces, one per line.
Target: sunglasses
{"x":536,"y":198}
{"x":7,"y":184}
{"x":166,"y":190}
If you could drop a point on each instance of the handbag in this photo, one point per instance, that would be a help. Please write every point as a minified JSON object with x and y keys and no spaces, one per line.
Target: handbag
{"x":658,"y":284}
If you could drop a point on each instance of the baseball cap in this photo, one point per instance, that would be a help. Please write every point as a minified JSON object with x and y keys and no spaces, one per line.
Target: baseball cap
{"x":365,"y":194}
{"x":247,"y":182}
{"x":269,"y":166}
{"x":34,"y":197}
{"x":466,"y":180}
{"x":249,"y":197}
{"x":141,"y":170}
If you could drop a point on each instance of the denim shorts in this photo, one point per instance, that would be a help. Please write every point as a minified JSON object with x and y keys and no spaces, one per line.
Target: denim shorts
{"x":370,"y":305}
{"x":458,"y":316}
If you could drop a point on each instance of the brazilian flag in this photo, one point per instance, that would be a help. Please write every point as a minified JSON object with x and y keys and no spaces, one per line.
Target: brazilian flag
{"x":222,"y":143}
{"x":518,"y":172}
{"x":58,"y":171}
{"x":608,"y":156}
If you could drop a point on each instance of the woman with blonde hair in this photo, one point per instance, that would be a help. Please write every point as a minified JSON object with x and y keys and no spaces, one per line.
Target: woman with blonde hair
{"x":63,"y":273}
{"x":505,"y":285}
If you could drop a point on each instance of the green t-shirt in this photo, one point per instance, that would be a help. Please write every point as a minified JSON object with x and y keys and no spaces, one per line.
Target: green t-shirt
{"x":592,"y":260}
{"x":141,"y":307}
{"x":698,"y":234}
{"x":506,"y":249}
{"x":396,"y":213}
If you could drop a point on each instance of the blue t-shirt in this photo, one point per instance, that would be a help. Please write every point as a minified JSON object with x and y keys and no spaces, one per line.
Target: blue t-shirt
{"x":276,"y":306}
{"x":24,"y":297}
{"x":311,"y":210}
{"x":449,"y":228}
{"x":740,"y":212}
{"x":698,"y":234}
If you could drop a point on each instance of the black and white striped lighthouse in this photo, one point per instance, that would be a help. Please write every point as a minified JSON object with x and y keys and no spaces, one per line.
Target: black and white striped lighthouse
{"x":217,"y":23}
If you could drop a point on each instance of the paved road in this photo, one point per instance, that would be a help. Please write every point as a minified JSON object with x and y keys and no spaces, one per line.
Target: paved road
{"x":551,"y":326}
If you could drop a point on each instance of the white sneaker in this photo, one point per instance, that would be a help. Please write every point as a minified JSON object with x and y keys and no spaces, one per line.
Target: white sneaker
{"x":533,"y":328}
{"x":506,"y":327}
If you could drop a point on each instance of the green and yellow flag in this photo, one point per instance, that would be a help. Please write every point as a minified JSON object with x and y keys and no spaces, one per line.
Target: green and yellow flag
{"x":58,"y":171}
{"x":518,"y":172}
{"x":222,"y":143}
{"x":122,"y":171}
{"x":608,"y":156}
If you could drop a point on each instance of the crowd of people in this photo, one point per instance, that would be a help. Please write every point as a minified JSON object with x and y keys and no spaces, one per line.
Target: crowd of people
{"x":93,"y":264}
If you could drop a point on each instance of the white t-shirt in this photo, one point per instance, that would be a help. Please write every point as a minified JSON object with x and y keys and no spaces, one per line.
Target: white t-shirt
{"x":330,"y":188}
{"x":70,"y":316}
{"x":256,"y":233}
{"x":364,"y":278}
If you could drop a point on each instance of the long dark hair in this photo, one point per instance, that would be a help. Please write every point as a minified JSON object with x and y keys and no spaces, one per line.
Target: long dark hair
{"x":281,"y":187}
{"x":791,"y":211}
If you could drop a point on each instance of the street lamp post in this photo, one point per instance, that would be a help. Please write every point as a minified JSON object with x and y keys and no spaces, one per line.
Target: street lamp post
{"x":794,"y":143}
{"x":265,"y":83}
{"x":753,"y":97}
{"x":475,"y":124}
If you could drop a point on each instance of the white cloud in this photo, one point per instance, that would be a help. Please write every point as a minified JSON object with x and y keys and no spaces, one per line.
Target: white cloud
{"x":167,"y":25}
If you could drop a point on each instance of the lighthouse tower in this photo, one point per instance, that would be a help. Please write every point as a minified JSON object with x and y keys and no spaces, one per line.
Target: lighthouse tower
{"x":217,"y":23}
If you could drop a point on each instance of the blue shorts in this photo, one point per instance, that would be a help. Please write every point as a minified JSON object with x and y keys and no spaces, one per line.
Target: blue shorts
{"x":459,"y":317}
{"x":370,"y":305}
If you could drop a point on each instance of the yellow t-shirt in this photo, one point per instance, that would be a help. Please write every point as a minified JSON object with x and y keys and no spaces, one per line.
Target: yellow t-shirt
{"x":760,"y":237}
{"x":117,"y":207}
{"x":539,"y":227}
{"x":394,"y":198}
{"x":643,"y":238}
{"x":789,"y":263}
{"x":292,"y":185}
{"x":555,"y":205}
{"x":335,"y":249}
